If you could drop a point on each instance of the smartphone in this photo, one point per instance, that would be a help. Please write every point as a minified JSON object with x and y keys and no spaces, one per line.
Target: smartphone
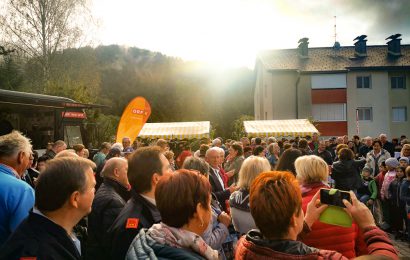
{"x":334,"y":197}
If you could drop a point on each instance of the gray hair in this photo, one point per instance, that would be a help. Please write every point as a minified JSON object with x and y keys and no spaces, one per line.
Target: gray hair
{"x":216,"y":142}
{"x":192,"y":163}
{"x":212,"y":149}
{"x":382,"y":135}
{"x":13,"y":143}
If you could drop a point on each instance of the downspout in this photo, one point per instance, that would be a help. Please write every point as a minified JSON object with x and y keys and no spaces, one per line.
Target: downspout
{"x":297,"y":94}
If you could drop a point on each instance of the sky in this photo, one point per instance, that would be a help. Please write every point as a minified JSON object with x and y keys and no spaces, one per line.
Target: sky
{"x":230,"y":33}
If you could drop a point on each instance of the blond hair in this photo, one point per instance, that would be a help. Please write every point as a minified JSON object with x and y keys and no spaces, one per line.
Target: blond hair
{"x":310,"y":169}
{"x":250,"y":169}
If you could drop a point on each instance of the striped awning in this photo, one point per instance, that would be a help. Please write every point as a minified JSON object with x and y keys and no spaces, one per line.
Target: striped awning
{"x":178,"y":130}
{"x":279,"y":128}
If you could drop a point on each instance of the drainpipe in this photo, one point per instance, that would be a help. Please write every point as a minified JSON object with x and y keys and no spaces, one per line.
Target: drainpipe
{"x":297,"y":94}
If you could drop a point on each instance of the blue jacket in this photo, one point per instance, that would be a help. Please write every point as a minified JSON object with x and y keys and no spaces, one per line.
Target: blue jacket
{"x":405,"y":192}
{"x":16,"y":200}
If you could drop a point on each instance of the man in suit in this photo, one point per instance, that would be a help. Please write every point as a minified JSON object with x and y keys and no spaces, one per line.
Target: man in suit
{"x":215,"y":178}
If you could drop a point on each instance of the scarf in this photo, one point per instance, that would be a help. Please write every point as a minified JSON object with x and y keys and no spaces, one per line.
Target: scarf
{"x":180,"y":238}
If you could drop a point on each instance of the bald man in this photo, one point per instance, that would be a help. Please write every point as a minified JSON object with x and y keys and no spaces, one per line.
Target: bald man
{"x":108,"y":202}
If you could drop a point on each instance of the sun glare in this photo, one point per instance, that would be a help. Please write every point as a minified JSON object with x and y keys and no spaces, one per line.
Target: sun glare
{"x":225,"y":33}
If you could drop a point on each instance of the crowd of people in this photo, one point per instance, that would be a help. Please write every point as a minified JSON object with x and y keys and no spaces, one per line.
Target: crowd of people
{"x":255,"y":198}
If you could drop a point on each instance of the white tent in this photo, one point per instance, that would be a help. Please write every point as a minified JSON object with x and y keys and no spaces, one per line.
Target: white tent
{"x":279,"y":128}
{"x":179,"y":130}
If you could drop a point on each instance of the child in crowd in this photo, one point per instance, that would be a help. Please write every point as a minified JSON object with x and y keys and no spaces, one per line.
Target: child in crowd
{"x":367,"y":193}
{"x":404,"y":162}
{"x":389,"y":177}
{"x":380,"y":178}
{"x":397,"y":206}
{"x":405,"y":197}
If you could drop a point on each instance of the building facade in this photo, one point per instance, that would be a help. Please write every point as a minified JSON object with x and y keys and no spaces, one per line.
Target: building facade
{"x":347,"y":90}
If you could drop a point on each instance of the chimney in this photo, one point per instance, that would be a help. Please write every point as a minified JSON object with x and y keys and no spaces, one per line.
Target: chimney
{"x":303,"y":48}
{"x":360,"y":48}
{"x":393,"y":46}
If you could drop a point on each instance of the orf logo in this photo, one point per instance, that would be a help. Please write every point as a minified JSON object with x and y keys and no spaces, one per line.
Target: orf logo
{"x":138,"y":111}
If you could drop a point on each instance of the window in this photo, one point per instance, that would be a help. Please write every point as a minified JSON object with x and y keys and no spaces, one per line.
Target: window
{"x":328,"y":81}
{"x":365,"y":113}
{"x":399,"y":114}
{"x":72,"y":135}
{"x":363,"y":82}
{"x":398,"y":82}
{"x":329,"y":112}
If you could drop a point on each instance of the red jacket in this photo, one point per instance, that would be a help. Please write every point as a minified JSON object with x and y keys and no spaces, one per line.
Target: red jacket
{"x":253,"y":246}
{"x":379,"y":181}
{"x":181,"y":158}
{"x":348,"y":241}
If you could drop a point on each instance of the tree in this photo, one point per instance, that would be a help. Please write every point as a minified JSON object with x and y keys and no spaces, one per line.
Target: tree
{"x":238,"y":128}
{"x":40,"y":28}
{"x":11,"y":75}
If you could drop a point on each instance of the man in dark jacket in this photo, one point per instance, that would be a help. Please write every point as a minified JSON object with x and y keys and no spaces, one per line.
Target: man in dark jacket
{"x":108,"y":203}
{"x":323,"y":153}
{"x":64,"y":194}
{"x":146,"y":166}
{"x":58,"y":146}
{"x":386,"y":145}
{"x":367,"y":147}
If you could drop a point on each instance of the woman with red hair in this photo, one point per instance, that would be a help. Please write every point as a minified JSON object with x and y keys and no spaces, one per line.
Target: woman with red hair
{"x":276,"y":207}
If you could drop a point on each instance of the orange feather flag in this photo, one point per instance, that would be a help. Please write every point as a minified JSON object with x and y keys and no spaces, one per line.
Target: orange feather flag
{"x":133,"y":118}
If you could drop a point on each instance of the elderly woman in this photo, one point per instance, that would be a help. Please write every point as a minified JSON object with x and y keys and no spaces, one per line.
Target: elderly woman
{"x":234,"y":162}
{"x":239,"y":200}
{"x":376,"y":156}
{"x":217,"y":232}
{"x":312,"y":174}
{"x":346,"y":171}
{"x":184,"y":201}
{"x":276,"y":206}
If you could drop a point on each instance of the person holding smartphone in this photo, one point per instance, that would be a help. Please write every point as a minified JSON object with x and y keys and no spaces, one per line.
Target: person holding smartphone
{"x":312,"y":174}
{"x":276,"y":206}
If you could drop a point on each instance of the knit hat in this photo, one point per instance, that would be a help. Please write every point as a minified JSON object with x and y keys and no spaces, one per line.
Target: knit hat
{"x":404,"y":159}
{"x":392,"y":162}
{"x":367,"y":169}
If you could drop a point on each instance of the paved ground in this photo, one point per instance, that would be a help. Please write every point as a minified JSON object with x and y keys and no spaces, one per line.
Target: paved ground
{"x":402,"y":247}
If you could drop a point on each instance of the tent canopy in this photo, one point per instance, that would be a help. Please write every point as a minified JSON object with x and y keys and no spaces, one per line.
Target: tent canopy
{"x":279,"y":128}
{"x":178,"y":130}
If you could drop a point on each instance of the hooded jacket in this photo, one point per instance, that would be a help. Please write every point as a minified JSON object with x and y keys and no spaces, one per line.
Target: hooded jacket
{"x":347,"y":174}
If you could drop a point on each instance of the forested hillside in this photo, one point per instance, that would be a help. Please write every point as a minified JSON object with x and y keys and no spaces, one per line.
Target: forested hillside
{"x":113,"y":75}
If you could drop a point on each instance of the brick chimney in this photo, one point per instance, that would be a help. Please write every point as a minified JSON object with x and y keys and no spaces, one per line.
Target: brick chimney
{"x":393,"y":45}
{"x":360,"y":48}
{"x":303,"y":49}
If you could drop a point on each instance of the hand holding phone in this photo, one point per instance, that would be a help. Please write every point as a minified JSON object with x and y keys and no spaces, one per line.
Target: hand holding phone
{"x":359,"y":212}
{"x":334,"y":197}
{"x":335,"y":213}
